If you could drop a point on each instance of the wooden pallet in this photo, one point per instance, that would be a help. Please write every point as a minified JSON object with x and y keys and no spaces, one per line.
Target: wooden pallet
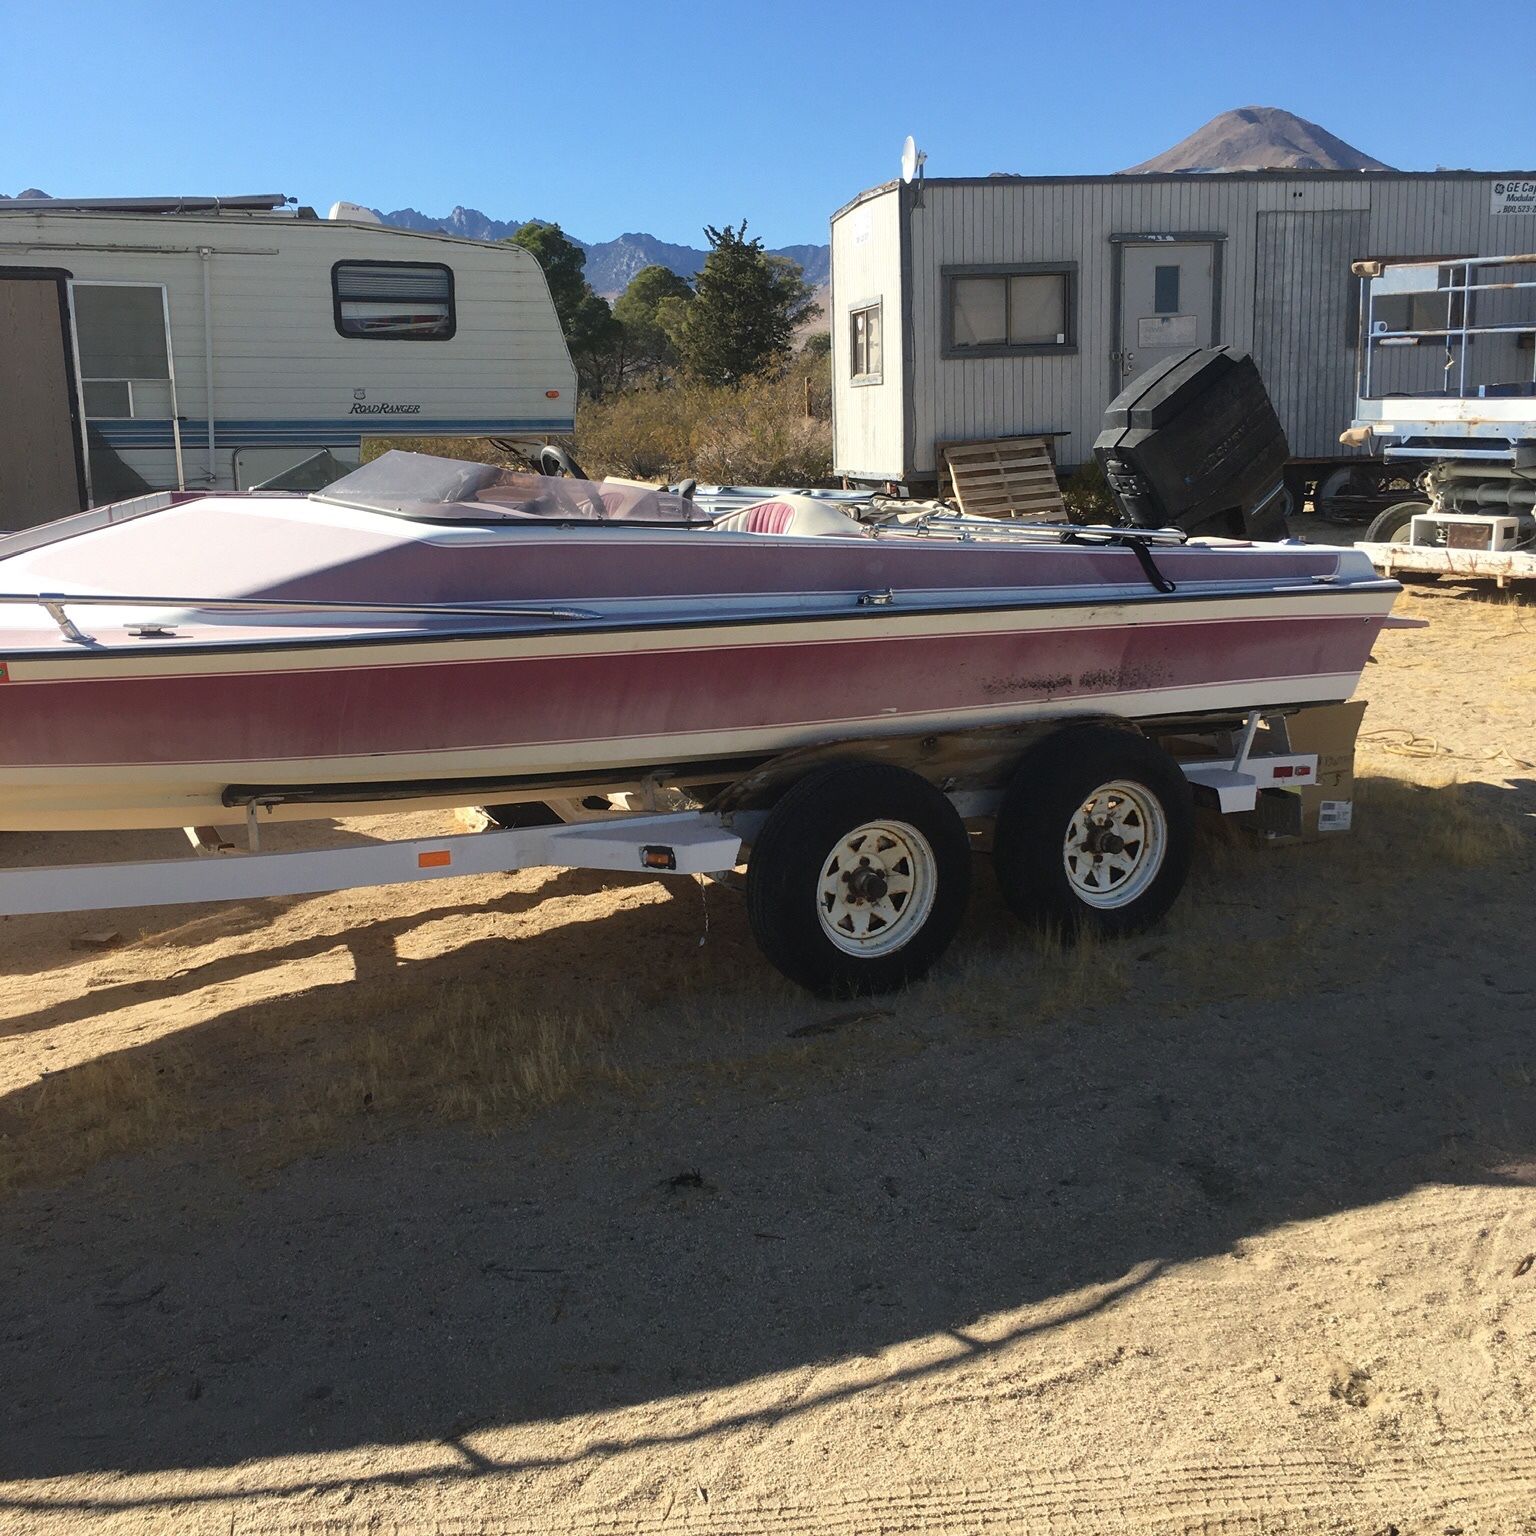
{"x":1006,"y":477}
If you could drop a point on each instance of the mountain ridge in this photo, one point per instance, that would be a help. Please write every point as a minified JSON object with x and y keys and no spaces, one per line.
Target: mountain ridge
{"x":611,"y":264}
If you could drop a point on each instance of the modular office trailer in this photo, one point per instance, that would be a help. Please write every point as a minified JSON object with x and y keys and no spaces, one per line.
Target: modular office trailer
{"x":150,"y":346}
{"x":1007,"y":306}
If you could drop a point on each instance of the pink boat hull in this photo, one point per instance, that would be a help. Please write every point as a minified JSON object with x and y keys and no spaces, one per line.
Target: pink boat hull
{"x":776,"y":652}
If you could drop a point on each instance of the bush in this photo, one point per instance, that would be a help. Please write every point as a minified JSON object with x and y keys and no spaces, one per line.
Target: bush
{"x":1087,"y":495}
{"x":480,"y":450}
{"x":756,"y":434}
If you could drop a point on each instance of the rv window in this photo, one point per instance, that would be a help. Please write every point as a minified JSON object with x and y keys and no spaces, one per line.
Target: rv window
{"x":121,"y":331}
{"x":997,"y":310}
{"x":864,"y":344}
{"x":107,"y":397}
{"x":125,"y":360}
{"x":393,"y":300}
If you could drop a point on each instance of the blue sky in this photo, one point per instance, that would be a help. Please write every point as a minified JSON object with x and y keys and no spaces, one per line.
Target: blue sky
{"x":662,"y":116}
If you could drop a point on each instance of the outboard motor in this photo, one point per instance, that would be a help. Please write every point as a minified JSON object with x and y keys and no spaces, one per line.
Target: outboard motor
{"x":1194,"y":443}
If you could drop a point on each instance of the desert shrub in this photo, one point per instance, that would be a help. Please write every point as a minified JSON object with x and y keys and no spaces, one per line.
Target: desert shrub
{"x":1087,"y":496}
{"x":756,"y":433}
{"x":482,"y":450}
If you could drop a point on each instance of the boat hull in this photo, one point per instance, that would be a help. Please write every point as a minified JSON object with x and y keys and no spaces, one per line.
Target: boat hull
{"x":155,"y":738}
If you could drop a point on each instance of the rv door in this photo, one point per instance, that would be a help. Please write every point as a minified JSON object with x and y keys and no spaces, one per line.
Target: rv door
{"x":42,"y":473}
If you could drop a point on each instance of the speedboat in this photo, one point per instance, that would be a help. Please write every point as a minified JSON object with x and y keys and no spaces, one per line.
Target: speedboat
{"x":446,"y":633}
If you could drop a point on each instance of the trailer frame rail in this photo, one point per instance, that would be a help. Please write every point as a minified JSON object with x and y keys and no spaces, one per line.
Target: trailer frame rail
{"x":688,"y":842}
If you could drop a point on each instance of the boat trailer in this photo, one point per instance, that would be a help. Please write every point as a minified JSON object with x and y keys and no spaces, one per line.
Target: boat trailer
{"x":1122,"y":835}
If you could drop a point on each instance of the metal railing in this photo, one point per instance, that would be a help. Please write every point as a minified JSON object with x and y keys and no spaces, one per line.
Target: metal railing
{"x":957,"y":525}
{"x":1454,"y":282}
{"x":56,"y":603}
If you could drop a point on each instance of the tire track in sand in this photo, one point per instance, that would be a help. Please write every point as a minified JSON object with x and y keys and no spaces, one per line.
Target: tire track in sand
{"x":1477,"y":1477}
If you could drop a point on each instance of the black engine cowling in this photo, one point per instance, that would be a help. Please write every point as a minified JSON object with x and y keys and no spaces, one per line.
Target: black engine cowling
{"x":1194,"y":443}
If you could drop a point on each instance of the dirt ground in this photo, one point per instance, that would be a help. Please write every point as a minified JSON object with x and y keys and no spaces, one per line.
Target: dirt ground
{"x":539,"y":1204}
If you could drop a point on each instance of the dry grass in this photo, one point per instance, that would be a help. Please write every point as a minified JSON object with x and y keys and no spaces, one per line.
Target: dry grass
{"x":463,"y":1059}
{"x":449,"y":1057}
{"x":356,"y":1061}
{"x":481,"y":450}
{"x":1433,"y":825}
{"x":1256,"y":925}
{"x":759,"y":434}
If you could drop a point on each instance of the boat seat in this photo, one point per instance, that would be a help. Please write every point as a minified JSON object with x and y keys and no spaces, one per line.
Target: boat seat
{"x":796,"y":516}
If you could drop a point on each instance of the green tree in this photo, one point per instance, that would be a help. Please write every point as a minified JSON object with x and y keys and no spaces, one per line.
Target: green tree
{"x":653,"y":310}
{"x":745,"y":308}
{"x":595,"y":338}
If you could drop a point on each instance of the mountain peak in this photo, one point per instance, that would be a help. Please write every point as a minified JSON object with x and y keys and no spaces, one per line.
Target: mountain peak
{"x":1259,"y":138}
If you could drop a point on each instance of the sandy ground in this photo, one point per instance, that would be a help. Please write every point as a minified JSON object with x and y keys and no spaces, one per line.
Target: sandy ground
{"x":353,"y":1215}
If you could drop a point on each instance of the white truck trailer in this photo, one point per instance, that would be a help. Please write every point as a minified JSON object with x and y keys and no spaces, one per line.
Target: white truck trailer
{"x":1447,"y":392}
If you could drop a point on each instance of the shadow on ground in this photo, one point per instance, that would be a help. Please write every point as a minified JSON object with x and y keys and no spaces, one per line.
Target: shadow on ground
{"x":616,"y":1252}
{"x":44,"y":942}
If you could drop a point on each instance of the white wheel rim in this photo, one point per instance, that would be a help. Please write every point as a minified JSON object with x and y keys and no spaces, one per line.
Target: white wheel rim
{"x":876,"y":888}
{"x":1115,"y":845}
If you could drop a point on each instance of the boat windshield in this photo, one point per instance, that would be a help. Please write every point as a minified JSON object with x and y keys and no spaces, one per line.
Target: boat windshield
{"x":420,"y":485}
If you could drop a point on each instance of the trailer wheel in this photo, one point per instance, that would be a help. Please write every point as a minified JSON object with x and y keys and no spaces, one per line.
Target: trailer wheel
{"x":1394,"y":525}
{"x":858,"y":880}
{"x":1339,"y":489}
{"x":1094,"y":834}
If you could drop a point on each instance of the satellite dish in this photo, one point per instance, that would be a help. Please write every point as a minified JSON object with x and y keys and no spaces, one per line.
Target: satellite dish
{"x":912,"y":158}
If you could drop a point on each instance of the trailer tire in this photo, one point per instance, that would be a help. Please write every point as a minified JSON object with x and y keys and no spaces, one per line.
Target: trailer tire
{"x":858,"y":880}
{"x":1094,"y":834}
{"x":1393,"y":525}
{"x":1342,"y":481}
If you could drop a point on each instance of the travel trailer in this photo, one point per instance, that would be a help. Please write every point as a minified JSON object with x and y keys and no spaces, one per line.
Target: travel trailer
{"x":224,"y":343}
{"x":1014,"y":306}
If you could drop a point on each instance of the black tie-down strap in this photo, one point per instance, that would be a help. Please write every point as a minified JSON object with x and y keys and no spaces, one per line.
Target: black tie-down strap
{"x":1137,"y":547}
